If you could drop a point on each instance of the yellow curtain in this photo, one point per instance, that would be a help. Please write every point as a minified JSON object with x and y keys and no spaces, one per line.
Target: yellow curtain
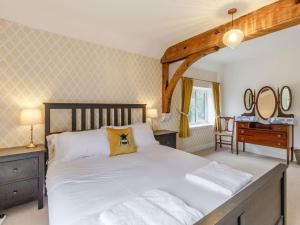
{"x":187,"y":88}
{"x":216,"y":95}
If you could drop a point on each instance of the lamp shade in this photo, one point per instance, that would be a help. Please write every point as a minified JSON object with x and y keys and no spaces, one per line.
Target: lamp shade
{"x":233,"y":38}
{"x":152,"y":113}
{"x":30,"y":117}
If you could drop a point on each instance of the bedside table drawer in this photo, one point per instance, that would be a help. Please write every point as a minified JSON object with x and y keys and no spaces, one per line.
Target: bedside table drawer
{"x":167,"y":140}
{"x":19,"y":192}
{"x":18,"y":169}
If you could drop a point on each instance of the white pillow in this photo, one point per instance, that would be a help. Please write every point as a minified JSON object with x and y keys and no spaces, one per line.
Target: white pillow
{"x":74,"y":145}
{"x":142,"y":134}
{"x":51,"y":143}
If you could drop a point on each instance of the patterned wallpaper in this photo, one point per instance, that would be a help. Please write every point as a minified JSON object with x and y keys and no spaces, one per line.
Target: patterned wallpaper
{"x":37,"y":66}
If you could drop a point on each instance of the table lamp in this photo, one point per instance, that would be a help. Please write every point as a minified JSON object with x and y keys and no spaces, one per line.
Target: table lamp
{"x":31,"y":117}
{"x":152,"y":114}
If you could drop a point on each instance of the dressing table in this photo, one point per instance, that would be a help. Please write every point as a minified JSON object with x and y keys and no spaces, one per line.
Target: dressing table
{"x":280,"y":136}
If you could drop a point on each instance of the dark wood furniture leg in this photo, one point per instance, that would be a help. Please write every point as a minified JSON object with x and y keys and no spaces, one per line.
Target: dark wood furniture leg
{"x":237,"y":147}
{"x":293,"y":139}
{"x":216,"y":142}
{"x":221,"y":142}
{"x":41,"y":181}
{"x":231,"y":144}
{"x":244,"y":146}
{"x":288,"y":156}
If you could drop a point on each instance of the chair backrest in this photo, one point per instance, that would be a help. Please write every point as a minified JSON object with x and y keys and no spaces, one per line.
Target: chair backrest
{"x":227,"y":123}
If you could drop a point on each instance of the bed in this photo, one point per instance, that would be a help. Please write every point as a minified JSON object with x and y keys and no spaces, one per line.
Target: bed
{"x":81,"y":189}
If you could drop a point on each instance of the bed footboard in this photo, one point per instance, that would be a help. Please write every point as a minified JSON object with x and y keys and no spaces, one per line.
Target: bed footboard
{"x":261,"y":203}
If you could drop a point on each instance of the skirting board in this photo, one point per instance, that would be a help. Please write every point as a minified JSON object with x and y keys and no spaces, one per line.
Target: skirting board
{"x":199,"y":147}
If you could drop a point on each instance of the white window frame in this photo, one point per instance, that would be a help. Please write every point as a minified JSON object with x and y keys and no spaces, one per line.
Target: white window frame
{"x":206,"y":122}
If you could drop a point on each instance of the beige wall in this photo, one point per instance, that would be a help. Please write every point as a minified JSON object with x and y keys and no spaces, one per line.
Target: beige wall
{"x":37,"y":66}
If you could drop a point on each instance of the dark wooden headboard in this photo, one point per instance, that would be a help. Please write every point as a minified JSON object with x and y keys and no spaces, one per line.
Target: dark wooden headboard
{"x":115,"y":115}
{"x":118,"y":111}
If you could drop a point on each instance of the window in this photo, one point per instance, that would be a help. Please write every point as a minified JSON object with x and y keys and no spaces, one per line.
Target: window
{"x":201,"y":107}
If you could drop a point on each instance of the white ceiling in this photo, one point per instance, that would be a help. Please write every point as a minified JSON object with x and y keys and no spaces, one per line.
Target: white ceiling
{"x":275,"y":43}
{"x":146,"y":27}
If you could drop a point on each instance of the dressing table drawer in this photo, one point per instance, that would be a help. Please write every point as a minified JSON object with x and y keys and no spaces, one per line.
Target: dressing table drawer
{"x":263,"y":135}
{"x":243,"y":125}
{"x":280,"y":128}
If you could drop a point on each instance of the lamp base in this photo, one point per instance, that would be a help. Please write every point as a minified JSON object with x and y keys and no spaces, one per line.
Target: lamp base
{"x":31,"y":145}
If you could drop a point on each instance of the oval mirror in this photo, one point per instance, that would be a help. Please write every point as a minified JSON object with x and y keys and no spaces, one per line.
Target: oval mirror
{"x":248,"y":99}
{"x":286,"y":98}
{"x":266,"y":102}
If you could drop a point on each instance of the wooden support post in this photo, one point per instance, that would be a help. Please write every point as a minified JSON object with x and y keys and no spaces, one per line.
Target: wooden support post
{"x":168,"y":87}
{"x":165,"y":83}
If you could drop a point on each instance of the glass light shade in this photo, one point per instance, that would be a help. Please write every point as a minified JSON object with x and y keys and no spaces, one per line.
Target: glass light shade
{"x":30,"y":117}
{"x":233,"y":38}
{"x":152,"y":113}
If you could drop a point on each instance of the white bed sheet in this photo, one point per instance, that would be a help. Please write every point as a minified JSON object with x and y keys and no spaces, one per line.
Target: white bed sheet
{"x":78,"y":191}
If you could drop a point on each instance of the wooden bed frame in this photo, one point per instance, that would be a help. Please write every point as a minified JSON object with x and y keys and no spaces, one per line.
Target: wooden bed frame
{"x":262,"y":203}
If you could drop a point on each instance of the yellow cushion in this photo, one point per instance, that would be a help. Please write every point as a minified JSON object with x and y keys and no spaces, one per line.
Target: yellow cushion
{"x":121,"y":141}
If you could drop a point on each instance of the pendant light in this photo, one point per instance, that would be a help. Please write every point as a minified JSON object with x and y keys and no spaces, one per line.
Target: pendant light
{"x":233,"y":37}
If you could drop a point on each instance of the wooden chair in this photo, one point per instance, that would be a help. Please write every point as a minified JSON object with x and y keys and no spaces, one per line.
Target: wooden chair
{"x":226,"y":131}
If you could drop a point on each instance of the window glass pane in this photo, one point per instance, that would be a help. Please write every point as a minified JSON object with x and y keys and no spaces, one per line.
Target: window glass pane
{"x":192,"y":112}
{"x":200,"y":105}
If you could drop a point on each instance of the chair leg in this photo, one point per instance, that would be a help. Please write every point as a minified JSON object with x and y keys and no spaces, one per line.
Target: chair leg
{"x":221,"y":142}
{"x":232,"y":145}
{"x":216,"y":142}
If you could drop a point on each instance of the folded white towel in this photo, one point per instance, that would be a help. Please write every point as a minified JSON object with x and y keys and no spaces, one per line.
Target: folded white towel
{"x":220,"y":178}
{"x":151,"y":208}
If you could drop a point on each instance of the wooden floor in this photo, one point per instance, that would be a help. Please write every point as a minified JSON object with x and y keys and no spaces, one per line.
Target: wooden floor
{"x":28,"y":214}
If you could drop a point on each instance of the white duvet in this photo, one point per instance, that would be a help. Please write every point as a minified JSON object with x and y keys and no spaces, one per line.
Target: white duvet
{"x":152,"y":207}
{"x":78,"y":191}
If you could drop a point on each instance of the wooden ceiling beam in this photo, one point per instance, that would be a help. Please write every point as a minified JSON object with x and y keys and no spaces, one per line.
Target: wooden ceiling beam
{"x":274,"y":17}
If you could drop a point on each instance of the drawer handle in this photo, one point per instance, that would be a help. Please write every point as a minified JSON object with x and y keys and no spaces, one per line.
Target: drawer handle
{"x":279,"y":136}
{"x":15,"y":170}
{"x":242,"y":131}
{"x":279,"y":144}
{"x":15,"y":192}
{"x":242,"y":139}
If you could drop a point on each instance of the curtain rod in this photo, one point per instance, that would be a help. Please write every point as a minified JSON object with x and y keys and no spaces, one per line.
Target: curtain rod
{"x":208,"y":81}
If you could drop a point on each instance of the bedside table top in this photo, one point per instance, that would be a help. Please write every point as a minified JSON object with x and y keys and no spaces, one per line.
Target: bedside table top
{"x":162,"y":132}
{"x":21,"y":150}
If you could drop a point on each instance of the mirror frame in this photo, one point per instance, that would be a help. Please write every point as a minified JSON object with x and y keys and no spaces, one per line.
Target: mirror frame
{"x":280,"y":98}
{"x":276,"y":102}
{"x":252,"y":96}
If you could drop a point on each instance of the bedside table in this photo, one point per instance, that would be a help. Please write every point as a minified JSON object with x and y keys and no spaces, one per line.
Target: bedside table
{"x":21,"y":176}
{"x":166,"y":137}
